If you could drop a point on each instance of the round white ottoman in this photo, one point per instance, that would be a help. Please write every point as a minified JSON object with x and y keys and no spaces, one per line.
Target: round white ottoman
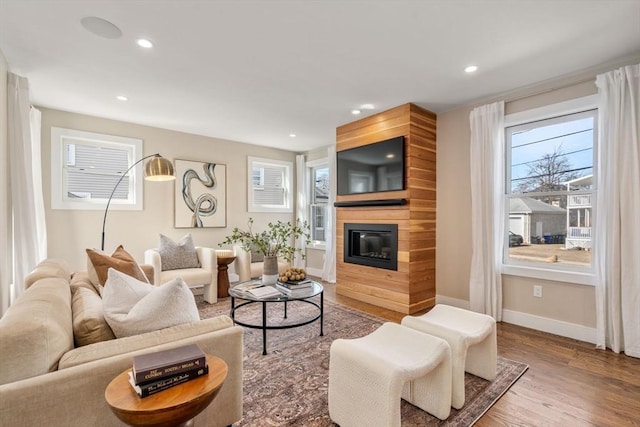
{"x":368,"y":376}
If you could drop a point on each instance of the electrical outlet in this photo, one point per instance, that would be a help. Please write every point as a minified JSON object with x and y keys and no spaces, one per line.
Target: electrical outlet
{"x":537,"y":291}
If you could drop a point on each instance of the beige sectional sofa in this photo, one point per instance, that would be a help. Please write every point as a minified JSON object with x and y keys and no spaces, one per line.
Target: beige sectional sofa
{"x":48,"y":378}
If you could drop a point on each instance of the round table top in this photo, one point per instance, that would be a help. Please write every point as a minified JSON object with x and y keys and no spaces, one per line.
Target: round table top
{"x":176,"y":405}
{"x":239,"y":291}
{"x":223,"y":260}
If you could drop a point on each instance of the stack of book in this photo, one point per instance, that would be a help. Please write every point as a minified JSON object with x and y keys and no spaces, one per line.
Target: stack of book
{"x":154,"y":372}
{"x":295,"y":287}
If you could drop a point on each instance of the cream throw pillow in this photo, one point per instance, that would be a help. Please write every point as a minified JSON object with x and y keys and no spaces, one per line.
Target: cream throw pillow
{"x":132,"y":307}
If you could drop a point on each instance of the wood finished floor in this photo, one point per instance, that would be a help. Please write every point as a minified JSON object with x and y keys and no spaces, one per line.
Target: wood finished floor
{"x":569,"y":383}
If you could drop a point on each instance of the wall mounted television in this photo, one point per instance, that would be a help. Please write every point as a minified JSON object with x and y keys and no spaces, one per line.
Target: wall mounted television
{"x":371,"y":168}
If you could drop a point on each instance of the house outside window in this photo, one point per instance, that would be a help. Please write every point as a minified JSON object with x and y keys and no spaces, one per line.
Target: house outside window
{"x":319,"y":202}
{"x":85,"y":168}
{"x":551,"y":187}
{"x":270,"y":183}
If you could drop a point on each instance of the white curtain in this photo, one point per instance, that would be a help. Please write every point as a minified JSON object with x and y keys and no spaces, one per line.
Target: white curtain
{"x":6,"y":233}
{"x":329,"y":269}
{"x":487,"y":209}
{"x":26,"y":195}
{"x":617,"y":255}
{"x":35,"y":121}
{"x":302,"y":207}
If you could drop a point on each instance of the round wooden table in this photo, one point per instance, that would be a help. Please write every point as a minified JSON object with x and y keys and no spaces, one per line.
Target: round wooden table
{"x":176,"y":406}
{"x":223,"y":275}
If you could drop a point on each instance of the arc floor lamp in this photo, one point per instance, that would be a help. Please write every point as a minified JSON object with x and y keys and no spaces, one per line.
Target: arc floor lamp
{"x":157,"y":168}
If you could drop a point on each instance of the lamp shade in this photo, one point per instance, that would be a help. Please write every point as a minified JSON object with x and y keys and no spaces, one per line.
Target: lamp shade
{"x":158,"y":169}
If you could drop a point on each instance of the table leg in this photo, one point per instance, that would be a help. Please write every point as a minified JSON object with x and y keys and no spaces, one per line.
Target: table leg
{"x":223,"y":281}
{"x":264,"y":328}
{"x":233,"y":310}
{"x":321,"y":313}
{"x":285,"y":309}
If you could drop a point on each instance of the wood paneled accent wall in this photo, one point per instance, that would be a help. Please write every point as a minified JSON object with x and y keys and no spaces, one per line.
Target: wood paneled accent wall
{"x":412,"y":288}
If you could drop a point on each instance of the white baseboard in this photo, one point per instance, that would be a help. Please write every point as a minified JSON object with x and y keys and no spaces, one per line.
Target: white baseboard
{"x":544,"y":324}
{"x":552,"y":326}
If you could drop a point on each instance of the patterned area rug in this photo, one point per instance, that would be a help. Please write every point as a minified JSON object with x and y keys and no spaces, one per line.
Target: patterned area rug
{"x":288,"y":386}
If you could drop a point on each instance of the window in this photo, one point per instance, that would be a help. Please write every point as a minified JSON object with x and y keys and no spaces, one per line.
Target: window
{"x":319,"y":201}
{"x":550,"y":187}
{"x":85,"y":168}
{"x":270,"y":183}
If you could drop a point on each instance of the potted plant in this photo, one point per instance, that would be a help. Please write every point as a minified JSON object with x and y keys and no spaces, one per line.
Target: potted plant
{"x":274,"y":242}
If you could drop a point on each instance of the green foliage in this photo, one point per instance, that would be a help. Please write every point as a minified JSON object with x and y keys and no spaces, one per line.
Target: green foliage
{"x":276,"y":241}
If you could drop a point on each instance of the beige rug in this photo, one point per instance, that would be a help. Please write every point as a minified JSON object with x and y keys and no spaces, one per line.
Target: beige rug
{"x":288,"y":386}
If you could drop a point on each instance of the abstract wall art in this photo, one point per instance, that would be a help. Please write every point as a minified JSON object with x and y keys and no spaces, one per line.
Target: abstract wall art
{"x":200,"y":195}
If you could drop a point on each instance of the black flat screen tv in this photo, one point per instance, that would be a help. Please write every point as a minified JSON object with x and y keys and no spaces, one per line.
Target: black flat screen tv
{"x":371,"y":168}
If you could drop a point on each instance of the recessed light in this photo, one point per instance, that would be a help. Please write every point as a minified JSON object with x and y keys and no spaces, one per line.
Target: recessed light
{"x":292,"y":135}
{"x":144,"y":43}
{"x":471,"y":69}
{"x":367,"y":107}
{"x":355,"y":112}
{"x":122,"y":98}
{"x":390,"y":156}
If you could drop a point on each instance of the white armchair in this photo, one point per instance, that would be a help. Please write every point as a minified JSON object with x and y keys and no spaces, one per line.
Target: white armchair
{"x":248,"y":270}
{"x":206,"y":275}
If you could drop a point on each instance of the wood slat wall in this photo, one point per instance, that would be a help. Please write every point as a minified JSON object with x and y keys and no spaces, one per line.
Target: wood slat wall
{"x":412,"y":287}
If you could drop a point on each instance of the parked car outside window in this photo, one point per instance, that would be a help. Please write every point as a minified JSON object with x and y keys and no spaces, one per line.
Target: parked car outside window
{"x":515,"y":239}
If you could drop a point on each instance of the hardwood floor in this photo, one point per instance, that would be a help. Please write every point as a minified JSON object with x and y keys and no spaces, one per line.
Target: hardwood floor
{"x":568,"y":383}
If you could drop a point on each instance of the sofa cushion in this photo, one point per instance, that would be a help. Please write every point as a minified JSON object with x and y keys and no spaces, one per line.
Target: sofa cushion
{"x":36,"y":331}
{"x":50,"y":267}
{"x":105,"y":349}
{"x":177,"y":255}
{"x":89,"y":324}
{"x":134,"y":307}
{"x":99,"y":263}
{"x":191,"y":276}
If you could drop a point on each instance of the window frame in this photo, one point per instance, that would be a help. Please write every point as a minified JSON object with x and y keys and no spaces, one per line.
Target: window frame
{"x":59,"y":201}
{"x":311,"y":167}
{"x":287,"y":166}
{"x":578,"y":275}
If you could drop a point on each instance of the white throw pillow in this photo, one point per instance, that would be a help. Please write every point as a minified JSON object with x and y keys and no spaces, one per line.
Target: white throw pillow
{"x":132,"y":307}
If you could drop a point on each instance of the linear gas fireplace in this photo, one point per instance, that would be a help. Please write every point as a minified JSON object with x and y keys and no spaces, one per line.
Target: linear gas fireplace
{"x":375,"y":245}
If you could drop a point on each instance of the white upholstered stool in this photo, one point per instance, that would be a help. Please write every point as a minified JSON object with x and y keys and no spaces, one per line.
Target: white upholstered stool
{"x":368,"y":376}
{"x":472,"y":337}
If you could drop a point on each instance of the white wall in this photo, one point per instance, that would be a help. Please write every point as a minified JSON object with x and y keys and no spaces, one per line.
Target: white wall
{"x":71,"y":232}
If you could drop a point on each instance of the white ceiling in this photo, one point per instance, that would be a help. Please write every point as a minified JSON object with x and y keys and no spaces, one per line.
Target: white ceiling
{"x":256,"y":71}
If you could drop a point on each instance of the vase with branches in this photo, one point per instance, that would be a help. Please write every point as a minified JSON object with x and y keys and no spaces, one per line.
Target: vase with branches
{"x":276,"y":241}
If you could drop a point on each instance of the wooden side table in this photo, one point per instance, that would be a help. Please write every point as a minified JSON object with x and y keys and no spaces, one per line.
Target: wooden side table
{"x":223,"y":275}
{"x":176,"y":406}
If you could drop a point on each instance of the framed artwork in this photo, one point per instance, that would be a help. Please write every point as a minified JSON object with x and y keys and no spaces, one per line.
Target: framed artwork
{"x":200,"y":195}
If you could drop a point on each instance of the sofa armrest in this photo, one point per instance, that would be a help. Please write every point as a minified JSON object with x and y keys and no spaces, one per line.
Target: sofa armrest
{"x":208,"y":261}
{"x":152,"y":257}
{"x":75,"y":396}
{"x":242,"y":263}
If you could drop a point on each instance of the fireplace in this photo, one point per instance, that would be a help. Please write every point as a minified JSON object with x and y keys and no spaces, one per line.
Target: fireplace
{"x":374,"y":245}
